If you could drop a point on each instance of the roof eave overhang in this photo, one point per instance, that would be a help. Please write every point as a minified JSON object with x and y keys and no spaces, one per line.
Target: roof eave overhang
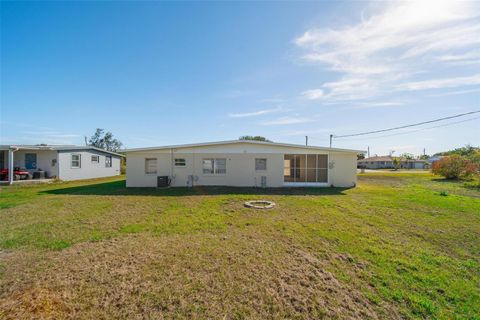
{"x":197,"y":145}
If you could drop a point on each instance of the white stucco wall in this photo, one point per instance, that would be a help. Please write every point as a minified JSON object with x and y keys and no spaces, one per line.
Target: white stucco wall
{"x":343,"y":172}
{"x":88,"y":169}
{"x":419,"y":165}
{"x":44,"y":161}
{"x":240,"y":169}
{"x":240,"y":165}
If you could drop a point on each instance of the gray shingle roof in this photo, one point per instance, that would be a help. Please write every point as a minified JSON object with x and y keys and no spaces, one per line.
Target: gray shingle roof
{"x":55,"y":148}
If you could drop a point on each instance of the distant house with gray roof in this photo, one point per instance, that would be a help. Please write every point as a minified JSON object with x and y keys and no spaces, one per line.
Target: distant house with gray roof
{"x":386,"y":162}
{"x":64,"y":162}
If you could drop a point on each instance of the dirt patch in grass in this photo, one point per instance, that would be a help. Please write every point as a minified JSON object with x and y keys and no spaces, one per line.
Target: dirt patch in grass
{"x":35,"y":303}
{"x":240,"y":275}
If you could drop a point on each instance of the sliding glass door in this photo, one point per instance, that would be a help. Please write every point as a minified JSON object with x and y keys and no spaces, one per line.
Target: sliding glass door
{"x":312,"y":168}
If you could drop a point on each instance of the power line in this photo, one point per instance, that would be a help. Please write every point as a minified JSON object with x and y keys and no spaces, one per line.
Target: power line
{"x":412,"y":131}
{"x":406,"y":126}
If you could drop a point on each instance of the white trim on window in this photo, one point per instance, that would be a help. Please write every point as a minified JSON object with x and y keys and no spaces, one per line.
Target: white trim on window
{"x":75,"y":161}
{"x":180,"y":162}
{"x":260,"y":164}
{"x":108,"y":161}
{"x":150,"y":165}
{"x":216,"y":166}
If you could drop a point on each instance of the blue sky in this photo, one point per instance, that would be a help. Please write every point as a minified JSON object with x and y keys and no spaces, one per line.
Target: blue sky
{"x":157,"y":73}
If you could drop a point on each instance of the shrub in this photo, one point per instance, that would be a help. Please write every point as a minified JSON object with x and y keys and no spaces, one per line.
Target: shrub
{"x":455,"y":167}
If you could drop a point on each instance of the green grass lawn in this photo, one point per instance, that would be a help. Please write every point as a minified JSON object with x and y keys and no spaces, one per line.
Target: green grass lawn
{"x":398,"y":246}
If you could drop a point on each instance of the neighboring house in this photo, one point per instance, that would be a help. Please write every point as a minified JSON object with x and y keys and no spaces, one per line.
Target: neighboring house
{"x":434,"y":159}
{"x":241,"y":163}
{"x":386,"y":162}
{"x":61,"y":162}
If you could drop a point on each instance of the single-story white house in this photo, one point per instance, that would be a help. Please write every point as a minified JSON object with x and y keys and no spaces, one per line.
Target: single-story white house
{"x":55,"y":161}
{"x":241,"y":163}
{"x":386,"y":162}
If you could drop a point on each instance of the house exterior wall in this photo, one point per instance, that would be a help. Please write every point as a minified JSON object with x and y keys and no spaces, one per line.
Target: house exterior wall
{"x":44,"y":161}
{"x":389,"y":164}
{"x":88,"y":169}
{"x":418,"y":165}
{"x":240,"y":170}
{"x":376,"y":164}
{"x":240,"y":166}
{"x":343,"y":171}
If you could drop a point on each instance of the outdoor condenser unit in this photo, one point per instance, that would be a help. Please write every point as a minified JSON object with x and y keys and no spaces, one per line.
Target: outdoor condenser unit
{"x":163,"y":181}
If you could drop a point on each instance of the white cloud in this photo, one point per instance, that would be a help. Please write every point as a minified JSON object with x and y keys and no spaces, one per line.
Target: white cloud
{"x":254,"y":113}
{"x":441,"y":83}
{"x":390,"y":47}
{"x":313,"y":94}
{"x":367,"y":105}
{"x":286,"y":121}
{"x":456,"y":92}
{"x":471,"y":57}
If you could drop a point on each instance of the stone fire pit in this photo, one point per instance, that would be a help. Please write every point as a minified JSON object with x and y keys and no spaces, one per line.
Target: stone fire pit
{"x":260,"y":204}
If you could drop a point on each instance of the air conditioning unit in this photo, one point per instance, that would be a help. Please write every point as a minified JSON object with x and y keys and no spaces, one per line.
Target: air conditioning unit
{"x":163,"y":181}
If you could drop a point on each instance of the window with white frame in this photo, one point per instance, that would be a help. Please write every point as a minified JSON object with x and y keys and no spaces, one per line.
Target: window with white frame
{"x":214,"y":166}
{"x":76,"y":161}
{"x":151,"y":165}
{"x":260,"y":164}
{"x":108,"y":161}
{"x":95,"y":159}
{"x":180,"y":162}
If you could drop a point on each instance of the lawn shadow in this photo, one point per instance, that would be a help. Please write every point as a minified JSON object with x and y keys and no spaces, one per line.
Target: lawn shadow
{"x":445,"y":180}
{"x":118,"y":188}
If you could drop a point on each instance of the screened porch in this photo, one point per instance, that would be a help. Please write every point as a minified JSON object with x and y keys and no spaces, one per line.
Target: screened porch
{"x":305,"y":169}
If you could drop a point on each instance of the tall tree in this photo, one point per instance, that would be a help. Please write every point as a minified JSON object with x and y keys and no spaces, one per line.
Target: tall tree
{"x":255,"y":138}
{"x":104,"y":140}
{"x":468,"y":150}
{"x":407,"y":156}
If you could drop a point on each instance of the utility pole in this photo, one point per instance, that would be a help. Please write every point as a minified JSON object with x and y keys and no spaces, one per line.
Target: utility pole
{"x":306,"y":140}
{"x":368,"y":151}
{"x":331,"y":136}
{"x":423,"y":151}
{"x":85,"y":140}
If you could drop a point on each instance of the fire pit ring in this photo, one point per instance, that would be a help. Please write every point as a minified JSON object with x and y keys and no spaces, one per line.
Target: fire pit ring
{"x":260,"y":204}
